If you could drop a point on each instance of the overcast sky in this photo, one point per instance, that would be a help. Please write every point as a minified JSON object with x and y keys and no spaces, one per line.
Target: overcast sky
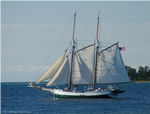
{"x":34,"y":34}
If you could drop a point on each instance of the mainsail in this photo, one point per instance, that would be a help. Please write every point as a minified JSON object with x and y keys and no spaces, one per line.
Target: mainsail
{"x":110,"y":66}
{"x":83,"y":65}
{"x":52,"y":70}
{"x":61,"y":76}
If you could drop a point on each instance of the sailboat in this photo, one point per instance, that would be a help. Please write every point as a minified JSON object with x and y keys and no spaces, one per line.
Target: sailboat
{"x":86,"y":66}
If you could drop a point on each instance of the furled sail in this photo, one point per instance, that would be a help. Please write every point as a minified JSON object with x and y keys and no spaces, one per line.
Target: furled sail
{"x":51,"y":71}
{"x":110,"y":66}
{"x":62,"y":75}
{"x":83,"y":66}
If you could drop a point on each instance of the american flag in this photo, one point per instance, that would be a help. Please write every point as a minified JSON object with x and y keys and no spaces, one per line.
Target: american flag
{"x":122,"y":48}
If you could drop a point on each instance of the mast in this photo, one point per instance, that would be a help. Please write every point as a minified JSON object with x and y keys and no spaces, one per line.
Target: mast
{"x":97,"y":47}
{"x":72,"y":56}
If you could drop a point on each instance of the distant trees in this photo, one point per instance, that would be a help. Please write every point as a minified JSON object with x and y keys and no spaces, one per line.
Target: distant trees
{"x":143,"y":73}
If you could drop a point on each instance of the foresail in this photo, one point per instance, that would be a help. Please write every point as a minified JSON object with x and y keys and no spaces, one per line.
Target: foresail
{"x":51,"y":71}
{"x":62,"y":75}
{"x":83,"y":66}
{"x":110,"y":66}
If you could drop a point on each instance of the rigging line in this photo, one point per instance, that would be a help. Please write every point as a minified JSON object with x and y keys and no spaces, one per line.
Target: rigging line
{"x":52,"y":49}
{"x":56,"y":86}
{"x":62,"y":36}
{"x":86,"y":28}
{"x":84,"y":32}
{"x":90,"y":32}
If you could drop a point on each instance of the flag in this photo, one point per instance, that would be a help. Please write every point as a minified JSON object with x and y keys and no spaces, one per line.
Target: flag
{"x":122,"y":48}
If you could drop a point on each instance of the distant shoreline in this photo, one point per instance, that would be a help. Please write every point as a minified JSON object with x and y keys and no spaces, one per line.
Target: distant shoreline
{"x":141,"y":81}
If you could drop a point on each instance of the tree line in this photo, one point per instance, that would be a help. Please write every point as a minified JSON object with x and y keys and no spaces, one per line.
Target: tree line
{"x":142,"y":74}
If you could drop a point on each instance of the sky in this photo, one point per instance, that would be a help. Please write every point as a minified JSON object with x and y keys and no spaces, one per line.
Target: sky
{"x":34,"y":34}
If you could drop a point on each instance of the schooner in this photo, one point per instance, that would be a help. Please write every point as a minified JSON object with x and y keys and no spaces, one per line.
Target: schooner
{"x":88,"y":66}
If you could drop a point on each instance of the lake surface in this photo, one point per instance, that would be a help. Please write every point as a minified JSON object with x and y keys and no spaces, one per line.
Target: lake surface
{"x":19,"y":98}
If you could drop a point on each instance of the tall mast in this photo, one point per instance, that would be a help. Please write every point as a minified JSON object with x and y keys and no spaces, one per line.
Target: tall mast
{"x":97,"y":47}
{"x":72,"y":55}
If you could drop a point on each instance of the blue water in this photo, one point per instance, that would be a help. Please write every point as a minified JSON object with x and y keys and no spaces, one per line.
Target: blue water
{"x":18,"y":98}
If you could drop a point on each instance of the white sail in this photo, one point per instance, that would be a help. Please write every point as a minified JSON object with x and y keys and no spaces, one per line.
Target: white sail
{"x":62,"y":75}
{"x":83,"y":66}
{"x":51,"y":71}
{"x":110,"y":66}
